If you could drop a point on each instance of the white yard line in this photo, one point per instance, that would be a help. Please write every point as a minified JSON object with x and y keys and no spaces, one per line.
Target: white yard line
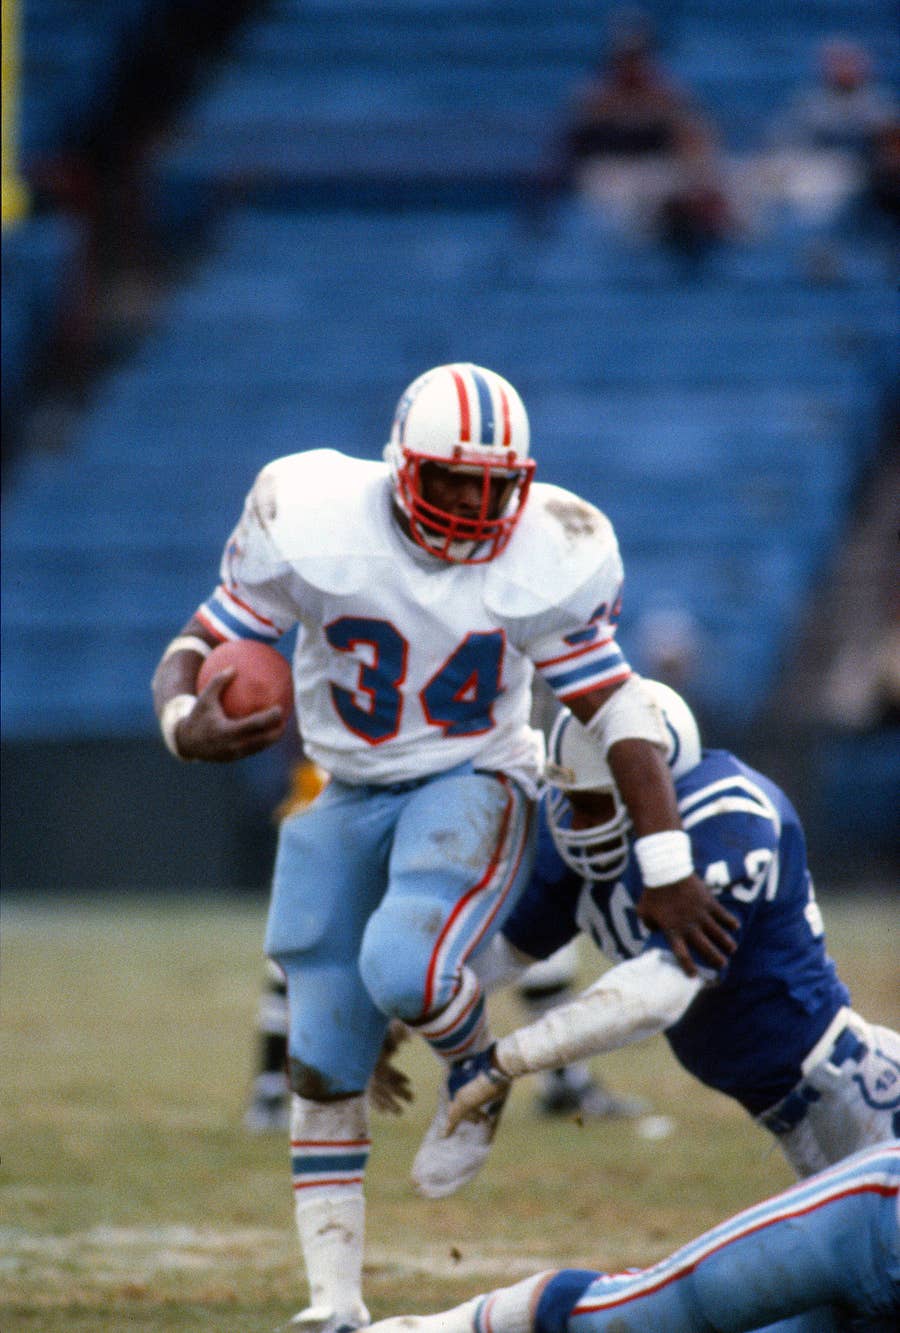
{"x":105,"y":1254}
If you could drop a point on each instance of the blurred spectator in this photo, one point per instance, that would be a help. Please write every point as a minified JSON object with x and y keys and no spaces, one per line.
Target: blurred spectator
{"x":862,"y":690}
{"x":637,"y":146}
{"x":884,"y":176}
{"x":833,"y":136}
{"x":843,"y":111}
{"x":669,"y":646}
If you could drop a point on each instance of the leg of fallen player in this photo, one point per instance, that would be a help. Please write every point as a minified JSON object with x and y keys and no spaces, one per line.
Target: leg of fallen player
{"x":804,"y":1261}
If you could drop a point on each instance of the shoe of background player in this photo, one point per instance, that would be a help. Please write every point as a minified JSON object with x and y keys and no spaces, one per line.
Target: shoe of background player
{"x":563,"y":1095}
{"x":320,"y":1319}
{"x":270,"y":1106}
{"x":444,"y":1164}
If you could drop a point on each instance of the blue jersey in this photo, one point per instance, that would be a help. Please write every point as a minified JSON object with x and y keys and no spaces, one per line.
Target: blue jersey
{"x":748,"y":1033}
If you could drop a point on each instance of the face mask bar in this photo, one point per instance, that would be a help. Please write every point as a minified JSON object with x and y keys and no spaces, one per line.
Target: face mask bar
{"x":454,"y":538}
{"x":599,"y":852}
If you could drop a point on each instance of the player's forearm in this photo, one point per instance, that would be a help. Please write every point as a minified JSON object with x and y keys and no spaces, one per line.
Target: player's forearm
{"x":645,"y":785}
{"x":178,"y":667}
{"x":630,"y":731}
{"x":632,"y":1001}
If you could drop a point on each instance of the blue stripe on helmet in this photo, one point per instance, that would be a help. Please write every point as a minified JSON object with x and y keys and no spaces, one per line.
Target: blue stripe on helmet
{"x":558,"y":740}
{"x":486,"y":407}
{"x":676,"y":742}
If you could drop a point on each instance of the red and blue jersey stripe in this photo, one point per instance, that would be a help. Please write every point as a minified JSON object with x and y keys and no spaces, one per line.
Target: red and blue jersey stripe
{"x":590,"y":666}
{"x":226,"y":616}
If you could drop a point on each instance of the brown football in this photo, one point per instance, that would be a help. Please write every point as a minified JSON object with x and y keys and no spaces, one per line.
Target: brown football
{"x":263,"y":677}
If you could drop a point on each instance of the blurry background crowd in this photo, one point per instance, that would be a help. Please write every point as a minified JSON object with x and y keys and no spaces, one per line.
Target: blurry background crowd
{"x":233,"y":229}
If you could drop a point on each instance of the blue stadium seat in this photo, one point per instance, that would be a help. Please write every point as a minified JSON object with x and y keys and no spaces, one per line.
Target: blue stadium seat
{"x":722,"y":422}
{"x":40,"y":258}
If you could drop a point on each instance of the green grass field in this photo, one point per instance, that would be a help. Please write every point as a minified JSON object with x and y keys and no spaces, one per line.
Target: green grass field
{"x":132,"y":1197}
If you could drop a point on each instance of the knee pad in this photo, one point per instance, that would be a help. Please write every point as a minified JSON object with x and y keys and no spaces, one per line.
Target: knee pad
{"x":396,"y":951}
{"x":559,"y":1297}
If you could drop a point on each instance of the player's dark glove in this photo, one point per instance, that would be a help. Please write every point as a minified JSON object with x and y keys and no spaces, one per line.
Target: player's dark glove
{"x":476,"y":1086}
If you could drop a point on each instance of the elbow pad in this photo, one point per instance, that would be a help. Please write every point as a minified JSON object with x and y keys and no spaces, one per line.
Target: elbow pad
{"x":630,"y":714}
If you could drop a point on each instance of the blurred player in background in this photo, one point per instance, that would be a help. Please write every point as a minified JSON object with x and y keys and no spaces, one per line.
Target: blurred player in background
{"x":426,"y":591}
{"x":821,"y":1257}
{"x":774,"y":1029}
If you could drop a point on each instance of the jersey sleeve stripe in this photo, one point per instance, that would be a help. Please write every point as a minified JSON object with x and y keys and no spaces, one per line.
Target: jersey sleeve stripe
{"x":603,"y":664}
{"x":229,"y":618}
{"x":211,"y":623}
{"x":576,"y":652}
{"x":726,"y":805}
{"x":730,"y":795}
{"x":245,"y":606}
{"x":595,"y":685}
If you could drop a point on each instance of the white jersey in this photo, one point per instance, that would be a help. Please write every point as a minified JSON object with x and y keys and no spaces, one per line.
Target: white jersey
{"x":406,"y":665}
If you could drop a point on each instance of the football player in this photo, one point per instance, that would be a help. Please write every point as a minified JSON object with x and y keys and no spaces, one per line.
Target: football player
{"x":774,"y":1029}
{"x":818,"y":1258}
{"x":426,"y":591}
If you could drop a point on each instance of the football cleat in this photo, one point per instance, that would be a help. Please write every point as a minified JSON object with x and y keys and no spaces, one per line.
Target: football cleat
{"x":590,"y":1101}
{"x":268,"y":1114}
{"x":447,"y":1161}
{"x":320,"y":1319}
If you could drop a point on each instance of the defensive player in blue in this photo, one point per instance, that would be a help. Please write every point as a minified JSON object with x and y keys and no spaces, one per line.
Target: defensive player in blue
{"x":426,"y":591}
{"x":774,"y":1028}
{"x":822,"y":1257}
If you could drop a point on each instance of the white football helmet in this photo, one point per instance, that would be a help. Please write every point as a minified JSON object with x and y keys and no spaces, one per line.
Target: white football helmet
{"x":575,"y":763}
{"x":469,"y":419}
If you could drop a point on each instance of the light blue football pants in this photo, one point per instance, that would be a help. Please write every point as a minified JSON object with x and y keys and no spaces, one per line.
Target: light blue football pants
{"x":380,"y":896}
{"x":822,"y":1256}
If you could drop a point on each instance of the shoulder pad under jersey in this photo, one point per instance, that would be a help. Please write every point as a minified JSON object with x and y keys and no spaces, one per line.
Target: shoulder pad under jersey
{"x":560,"y":543}
{"x":323,"y":512}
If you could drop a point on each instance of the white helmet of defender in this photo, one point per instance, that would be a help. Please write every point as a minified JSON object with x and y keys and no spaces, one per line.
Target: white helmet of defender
{"x":575,"y":764}
{"x":471,"y":420}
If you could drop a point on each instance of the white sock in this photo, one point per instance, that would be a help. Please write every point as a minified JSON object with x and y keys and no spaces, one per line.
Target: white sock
{"x":507,"y":1310}
{"x":511,"y":1309}
{"x":329,"y":1149}
{"x":460,"y":1029}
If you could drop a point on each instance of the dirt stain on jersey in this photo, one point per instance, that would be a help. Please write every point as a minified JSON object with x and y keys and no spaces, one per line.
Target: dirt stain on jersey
{"x":576,"y":518}
{"x":265,"y":505}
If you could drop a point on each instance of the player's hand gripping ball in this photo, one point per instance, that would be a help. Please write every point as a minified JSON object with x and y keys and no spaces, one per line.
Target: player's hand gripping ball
{"x":263,"y":677}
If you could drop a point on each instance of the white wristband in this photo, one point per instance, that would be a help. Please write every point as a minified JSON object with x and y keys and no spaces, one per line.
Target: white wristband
{"x":188,"y":643}
{"x":664,"y":858}
{"x":173,"y":711}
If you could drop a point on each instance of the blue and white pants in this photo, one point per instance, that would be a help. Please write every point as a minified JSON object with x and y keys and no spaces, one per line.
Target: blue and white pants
{"x":820,"y":1257}
{"x":380,"y":896}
